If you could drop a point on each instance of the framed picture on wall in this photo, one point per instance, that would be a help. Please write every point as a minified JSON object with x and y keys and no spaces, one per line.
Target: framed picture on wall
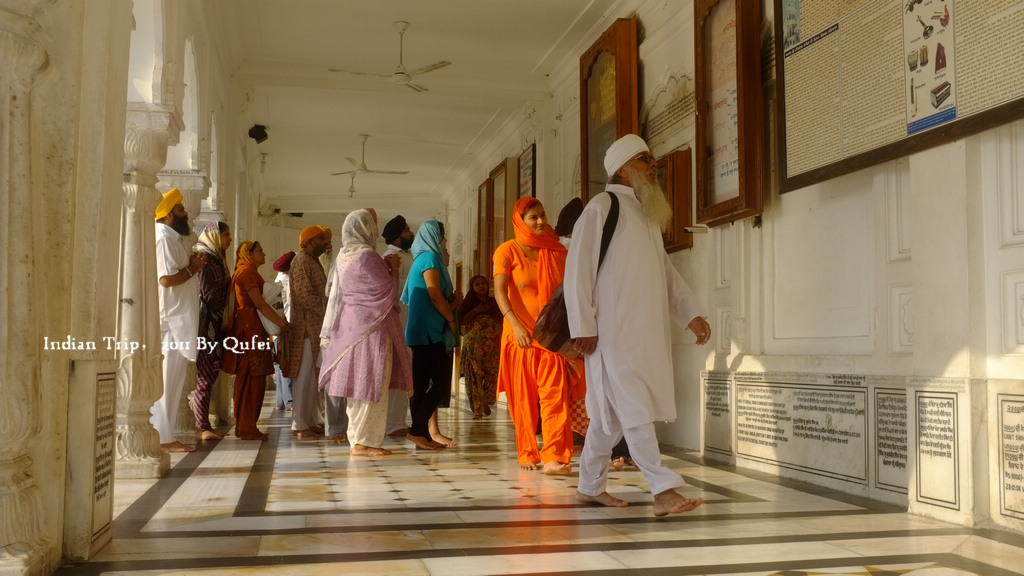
{"x":675,"y":174}
{"x":528,"y":172}
{"x":608,"y":100}
{"x":729,"y":110}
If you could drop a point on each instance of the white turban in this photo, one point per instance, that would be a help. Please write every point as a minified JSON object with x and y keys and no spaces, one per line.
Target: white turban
{"x":621,"y":151}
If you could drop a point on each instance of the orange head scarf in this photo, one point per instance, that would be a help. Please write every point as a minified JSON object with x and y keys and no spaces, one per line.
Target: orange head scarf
{"x":243,"y":258}
{"x":243,"y":261}
{"x":551,"y":253}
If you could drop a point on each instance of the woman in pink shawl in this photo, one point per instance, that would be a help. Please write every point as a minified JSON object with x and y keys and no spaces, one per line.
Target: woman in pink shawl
{"x":365,"y":354}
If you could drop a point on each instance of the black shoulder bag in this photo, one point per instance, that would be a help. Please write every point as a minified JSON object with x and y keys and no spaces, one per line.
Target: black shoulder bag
{"x":552,"y":328}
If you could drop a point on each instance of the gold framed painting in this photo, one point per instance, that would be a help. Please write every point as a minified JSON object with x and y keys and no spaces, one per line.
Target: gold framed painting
{"x":729,"y":111}
{"x":608,"y":99}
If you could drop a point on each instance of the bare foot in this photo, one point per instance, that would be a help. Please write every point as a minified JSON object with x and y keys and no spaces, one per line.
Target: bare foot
{"x":420,"y":441}
{"x":478,"y":416}
{"x":672,"y":502}
{"x":339,"y":438}
{"x":618,"y":463}
{"x":308,"y":434}
{"x":209,"y":435}
{"x":528,"y":466}
{"x":442,"y":439}
{"x":604,"y":499}
{"x":487,"y":410}
{"x":577,"y":449}
{"x":437,"y":445}
{"x":399,"y":432}
{"x":557,"y":468}
{"x":360,"y":450}
{"x":176,"y":447}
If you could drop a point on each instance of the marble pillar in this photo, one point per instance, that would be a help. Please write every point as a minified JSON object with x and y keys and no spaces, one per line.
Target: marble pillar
{"x":22,"y":58}
{"x":150,"y":130}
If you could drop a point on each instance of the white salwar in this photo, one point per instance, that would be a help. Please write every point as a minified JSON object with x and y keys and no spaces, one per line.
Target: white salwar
{"x":398,"y":400}
{"x":367,"y":421}
{"x":630,"y":383}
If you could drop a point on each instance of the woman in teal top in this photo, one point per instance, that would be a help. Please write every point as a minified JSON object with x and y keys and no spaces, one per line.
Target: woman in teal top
{"x":430,"y":333}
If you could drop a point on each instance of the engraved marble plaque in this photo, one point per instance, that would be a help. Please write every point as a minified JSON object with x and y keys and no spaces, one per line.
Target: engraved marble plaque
{"x":103,"y":470}
{"x":717,"y":414}
{"x":938,"y":474}
{"x":1011,"y":455}
{"x":890,"y":418}
{"x":815,"y":429}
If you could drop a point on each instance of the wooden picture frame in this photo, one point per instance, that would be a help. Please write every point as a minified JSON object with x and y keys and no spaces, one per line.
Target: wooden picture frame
{"x":528,"y":172}
{"x":608,"y":99}
{"x":675,"y":174}
{"x":483,"y":231}
{"x":729,"y":110}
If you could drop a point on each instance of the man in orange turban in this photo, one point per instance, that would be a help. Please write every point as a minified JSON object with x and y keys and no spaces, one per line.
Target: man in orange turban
{"x":307,"y":288}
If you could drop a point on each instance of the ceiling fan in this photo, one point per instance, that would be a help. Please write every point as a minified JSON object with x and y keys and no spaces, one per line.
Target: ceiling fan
{"x":401,"y":75}
{"x":352,"y":186}
{"x":359,"y":166}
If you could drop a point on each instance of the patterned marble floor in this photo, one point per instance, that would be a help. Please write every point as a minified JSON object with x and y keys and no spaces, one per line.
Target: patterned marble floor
{"x":307,"y":507}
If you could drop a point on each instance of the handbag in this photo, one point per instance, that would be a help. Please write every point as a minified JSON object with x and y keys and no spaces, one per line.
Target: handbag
{"x":552,"y":328}
{"x":272,"y":296}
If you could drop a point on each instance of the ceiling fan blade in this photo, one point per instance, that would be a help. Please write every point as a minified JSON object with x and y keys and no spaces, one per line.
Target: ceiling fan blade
{"x":374,"y":74}
{"x":387,"y":171}
{"x":355,"y":162}
{"x":429,"y":68}
{"x":415,"y":86}
{"x":343,"y":173}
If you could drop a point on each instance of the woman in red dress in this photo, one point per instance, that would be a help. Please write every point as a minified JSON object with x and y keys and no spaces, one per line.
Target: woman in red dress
{"x":248,"y":352}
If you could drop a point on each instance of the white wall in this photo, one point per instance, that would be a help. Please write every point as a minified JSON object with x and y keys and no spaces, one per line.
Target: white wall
{"x":914,"y":267}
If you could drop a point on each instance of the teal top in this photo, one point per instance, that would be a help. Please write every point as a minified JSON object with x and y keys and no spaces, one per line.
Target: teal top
{"x":425,"y":325}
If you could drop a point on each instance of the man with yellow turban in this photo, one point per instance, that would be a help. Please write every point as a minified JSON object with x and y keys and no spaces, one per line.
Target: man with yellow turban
{"x":179,"y":312}
{"x":307,"y":288}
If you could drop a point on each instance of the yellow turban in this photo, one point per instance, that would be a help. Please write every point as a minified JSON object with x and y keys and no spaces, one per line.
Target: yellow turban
{"x":308,"y":233}
{"x":171,"y":199}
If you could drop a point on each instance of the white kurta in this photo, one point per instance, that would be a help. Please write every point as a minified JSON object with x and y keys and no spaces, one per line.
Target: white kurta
{"x":403,"y":275}
{"x":627,"y":305}
{"x":179,"y":305}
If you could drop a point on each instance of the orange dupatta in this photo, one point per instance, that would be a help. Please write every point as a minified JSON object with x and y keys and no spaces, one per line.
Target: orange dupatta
{"x":551,"y":253}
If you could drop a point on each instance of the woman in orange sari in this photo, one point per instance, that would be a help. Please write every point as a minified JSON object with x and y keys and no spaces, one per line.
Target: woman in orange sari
{"x":247,"y":349}
{"x":526,"y":271}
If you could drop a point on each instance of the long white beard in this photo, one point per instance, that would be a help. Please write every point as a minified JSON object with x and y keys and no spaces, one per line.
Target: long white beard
{"x":651,"y":197}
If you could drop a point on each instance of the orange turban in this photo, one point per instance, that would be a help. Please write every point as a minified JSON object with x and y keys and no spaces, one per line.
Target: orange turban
{"x":327,"y":232}
{"x":308,"y":233}
{"x":171,"y":199}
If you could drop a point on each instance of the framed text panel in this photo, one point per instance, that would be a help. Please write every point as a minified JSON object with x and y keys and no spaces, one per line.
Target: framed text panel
{"x":861,"y":83}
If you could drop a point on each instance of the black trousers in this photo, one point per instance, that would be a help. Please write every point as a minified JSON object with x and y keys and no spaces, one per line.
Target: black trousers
{"x":431,"y":378}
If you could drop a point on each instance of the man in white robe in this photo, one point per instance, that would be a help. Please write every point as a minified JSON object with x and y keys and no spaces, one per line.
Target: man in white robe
{"x":620,"y":319}
{"x":179,"y":312}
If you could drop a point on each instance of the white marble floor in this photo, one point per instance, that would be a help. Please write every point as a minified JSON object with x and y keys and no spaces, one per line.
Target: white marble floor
{"x":307,"y":507}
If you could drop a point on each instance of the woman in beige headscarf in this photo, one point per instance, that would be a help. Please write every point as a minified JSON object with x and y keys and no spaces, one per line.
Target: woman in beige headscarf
{"x":213,"y":293}
{"x":365,"y":356}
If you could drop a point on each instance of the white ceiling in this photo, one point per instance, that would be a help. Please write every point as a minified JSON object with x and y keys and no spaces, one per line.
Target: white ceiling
{"x":501,"y":53}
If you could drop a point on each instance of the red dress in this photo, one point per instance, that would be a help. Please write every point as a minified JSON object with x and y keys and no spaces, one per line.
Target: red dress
{"x":248,"y":355}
